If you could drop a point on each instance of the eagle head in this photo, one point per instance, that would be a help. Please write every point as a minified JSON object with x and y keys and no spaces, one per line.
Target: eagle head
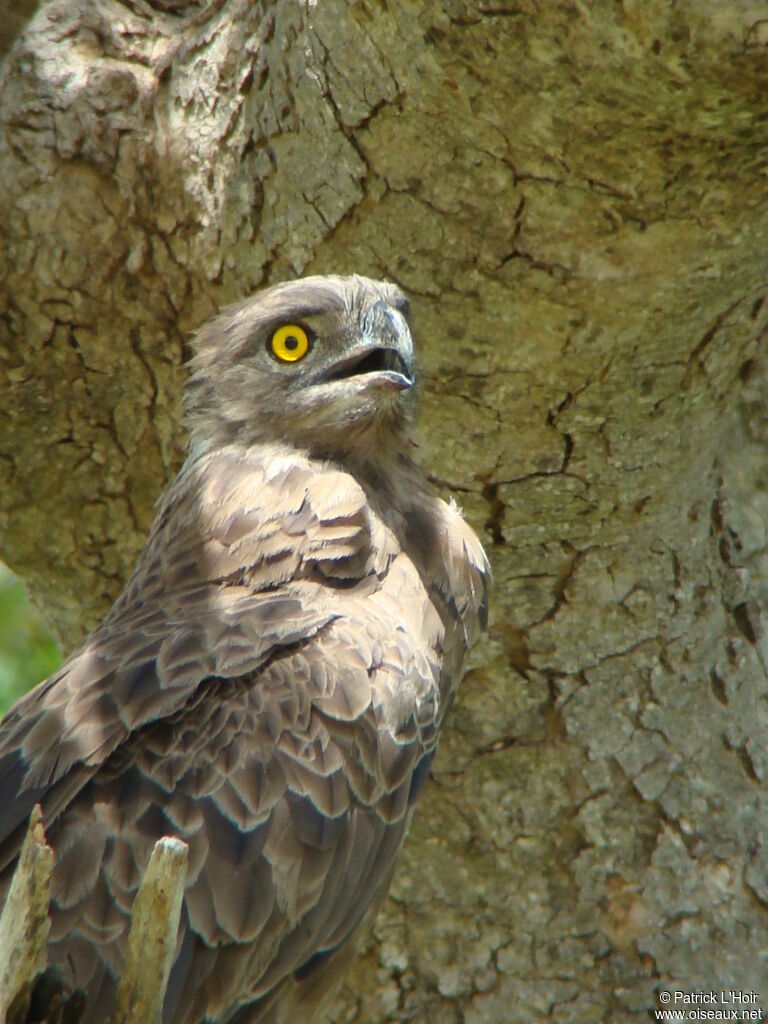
{"x":322,"y":363}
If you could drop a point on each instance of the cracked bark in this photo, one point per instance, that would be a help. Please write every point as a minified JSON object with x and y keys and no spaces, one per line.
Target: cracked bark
{"x":573,"y":195}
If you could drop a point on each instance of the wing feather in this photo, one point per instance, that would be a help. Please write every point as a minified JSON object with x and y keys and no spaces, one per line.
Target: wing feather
{"x":266,"y":688}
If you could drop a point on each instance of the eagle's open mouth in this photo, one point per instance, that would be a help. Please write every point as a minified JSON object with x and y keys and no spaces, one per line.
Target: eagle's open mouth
{"x":384,"y":362}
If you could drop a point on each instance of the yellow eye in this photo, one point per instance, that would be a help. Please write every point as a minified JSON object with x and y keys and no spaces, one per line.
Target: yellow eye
{"x":290,"y":343}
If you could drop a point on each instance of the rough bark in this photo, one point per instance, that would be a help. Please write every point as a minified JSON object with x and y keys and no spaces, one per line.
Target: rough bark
{"x":574,"y":196}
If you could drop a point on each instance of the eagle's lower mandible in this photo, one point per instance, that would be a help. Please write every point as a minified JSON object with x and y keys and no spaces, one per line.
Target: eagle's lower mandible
{"x":271,"y":684}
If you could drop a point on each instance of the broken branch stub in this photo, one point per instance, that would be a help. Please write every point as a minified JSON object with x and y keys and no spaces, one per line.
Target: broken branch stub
{"x":152,"y":938}
{"x":24,"y":928}
{"x":24,"y":924}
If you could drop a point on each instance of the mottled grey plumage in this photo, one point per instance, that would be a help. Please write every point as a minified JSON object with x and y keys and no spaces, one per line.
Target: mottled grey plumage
{"x":270,"y":685}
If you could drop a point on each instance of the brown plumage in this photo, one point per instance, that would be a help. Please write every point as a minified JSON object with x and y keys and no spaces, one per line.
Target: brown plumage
{"x":271,"y":684}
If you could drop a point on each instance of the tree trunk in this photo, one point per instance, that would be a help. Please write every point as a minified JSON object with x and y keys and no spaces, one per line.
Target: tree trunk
{"x":574,"y":196}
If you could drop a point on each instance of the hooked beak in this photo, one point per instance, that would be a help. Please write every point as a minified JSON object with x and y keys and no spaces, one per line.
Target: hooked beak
{"x":385,"y":357}
{"x":381,"y":365}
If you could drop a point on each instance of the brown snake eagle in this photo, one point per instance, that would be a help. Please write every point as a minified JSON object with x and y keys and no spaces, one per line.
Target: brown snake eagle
{"x":271,"y":684}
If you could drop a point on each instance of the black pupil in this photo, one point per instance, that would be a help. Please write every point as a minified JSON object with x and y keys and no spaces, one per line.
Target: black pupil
{"x":291,"y":343}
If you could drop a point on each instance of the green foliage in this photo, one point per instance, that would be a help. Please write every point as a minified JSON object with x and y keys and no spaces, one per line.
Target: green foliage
{"x":28,"y":653}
